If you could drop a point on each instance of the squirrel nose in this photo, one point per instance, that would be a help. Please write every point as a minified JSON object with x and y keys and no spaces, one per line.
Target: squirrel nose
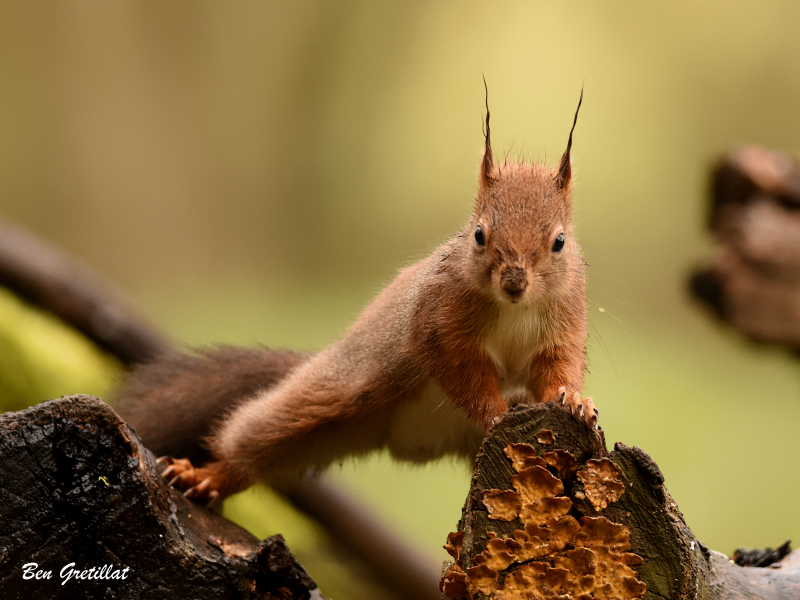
{"x":514,"y":281}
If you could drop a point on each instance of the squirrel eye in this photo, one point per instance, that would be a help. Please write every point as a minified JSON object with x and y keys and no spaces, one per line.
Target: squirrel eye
{"x":559,"y":243}
{"x":480,"y":239}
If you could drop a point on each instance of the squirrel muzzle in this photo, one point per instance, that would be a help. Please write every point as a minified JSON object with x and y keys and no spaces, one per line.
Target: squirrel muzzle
{"x":514,"y":281}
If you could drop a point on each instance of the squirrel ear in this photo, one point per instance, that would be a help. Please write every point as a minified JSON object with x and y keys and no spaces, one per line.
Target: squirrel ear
{"x":564,"y":175}
{"x":487,"y":163}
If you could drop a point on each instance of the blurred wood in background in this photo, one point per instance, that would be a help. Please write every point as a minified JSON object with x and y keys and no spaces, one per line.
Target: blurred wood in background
{"x":753,"y":282}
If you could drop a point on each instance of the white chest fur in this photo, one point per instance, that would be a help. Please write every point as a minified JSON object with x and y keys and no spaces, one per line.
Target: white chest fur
{"x":430,"y":426}
{"x":511,"y":341}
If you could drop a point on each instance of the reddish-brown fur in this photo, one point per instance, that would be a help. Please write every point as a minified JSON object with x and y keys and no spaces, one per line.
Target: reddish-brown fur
{"x":175,"y":400}
{"x":437,"y":357}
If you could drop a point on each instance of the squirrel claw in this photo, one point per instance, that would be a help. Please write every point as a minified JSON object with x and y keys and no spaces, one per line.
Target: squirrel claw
{"x":167,"y":472}
{"x":180,"y":468}
{"x":203,"y":490}
{"x":204,"y":485}
{"x":562,"y":395}
{"x":212,"y":497}
{"x":583,"y":408}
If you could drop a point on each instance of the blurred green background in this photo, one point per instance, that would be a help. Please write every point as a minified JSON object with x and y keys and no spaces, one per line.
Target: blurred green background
{"x":256,"y":171}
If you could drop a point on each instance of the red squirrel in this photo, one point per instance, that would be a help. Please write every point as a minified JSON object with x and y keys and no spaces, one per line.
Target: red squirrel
{"x":493,"y":317}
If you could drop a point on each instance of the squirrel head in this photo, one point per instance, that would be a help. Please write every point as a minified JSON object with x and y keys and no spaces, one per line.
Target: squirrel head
{"x":522,"y":248}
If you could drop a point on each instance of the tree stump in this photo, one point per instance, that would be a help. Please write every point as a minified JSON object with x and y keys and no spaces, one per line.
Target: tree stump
{"x":551,"y":514}
{"x":85,"y":513}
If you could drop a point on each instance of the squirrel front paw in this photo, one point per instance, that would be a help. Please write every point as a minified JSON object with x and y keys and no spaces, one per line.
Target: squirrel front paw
{"x":203,"y":485}
{"x":581,"y":407}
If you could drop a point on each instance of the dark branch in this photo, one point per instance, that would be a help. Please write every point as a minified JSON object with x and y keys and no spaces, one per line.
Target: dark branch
{"x":49,"y":278}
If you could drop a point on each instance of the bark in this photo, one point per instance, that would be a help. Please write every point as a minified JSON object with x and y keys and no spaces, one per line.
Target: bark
{"x":673,"y":563}
{"x":80,"y":492}
{"x":753,"y":281}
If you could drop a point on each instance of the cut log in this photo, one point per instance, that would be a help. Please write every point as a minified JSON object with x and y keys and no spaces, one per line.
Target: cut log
{"x":84,"y":513}
{"x":552,"y":514}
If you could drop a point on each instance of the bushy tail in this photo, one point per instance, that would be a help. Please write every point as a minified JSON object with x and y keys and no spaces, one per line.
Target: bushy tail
{"x":175,"y":401}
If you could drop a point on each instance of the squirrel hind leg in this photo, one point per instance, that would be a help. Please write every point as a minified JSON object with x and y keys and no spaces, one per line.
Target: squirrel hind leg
{"x":583,"y":408}
{"x":205,"y":485}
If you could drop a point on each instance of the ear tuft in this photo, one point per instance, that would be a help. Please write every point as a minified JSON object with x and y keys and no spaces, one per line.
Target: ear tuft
{"x":487,"y":163}
{"x":564,"y":175}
